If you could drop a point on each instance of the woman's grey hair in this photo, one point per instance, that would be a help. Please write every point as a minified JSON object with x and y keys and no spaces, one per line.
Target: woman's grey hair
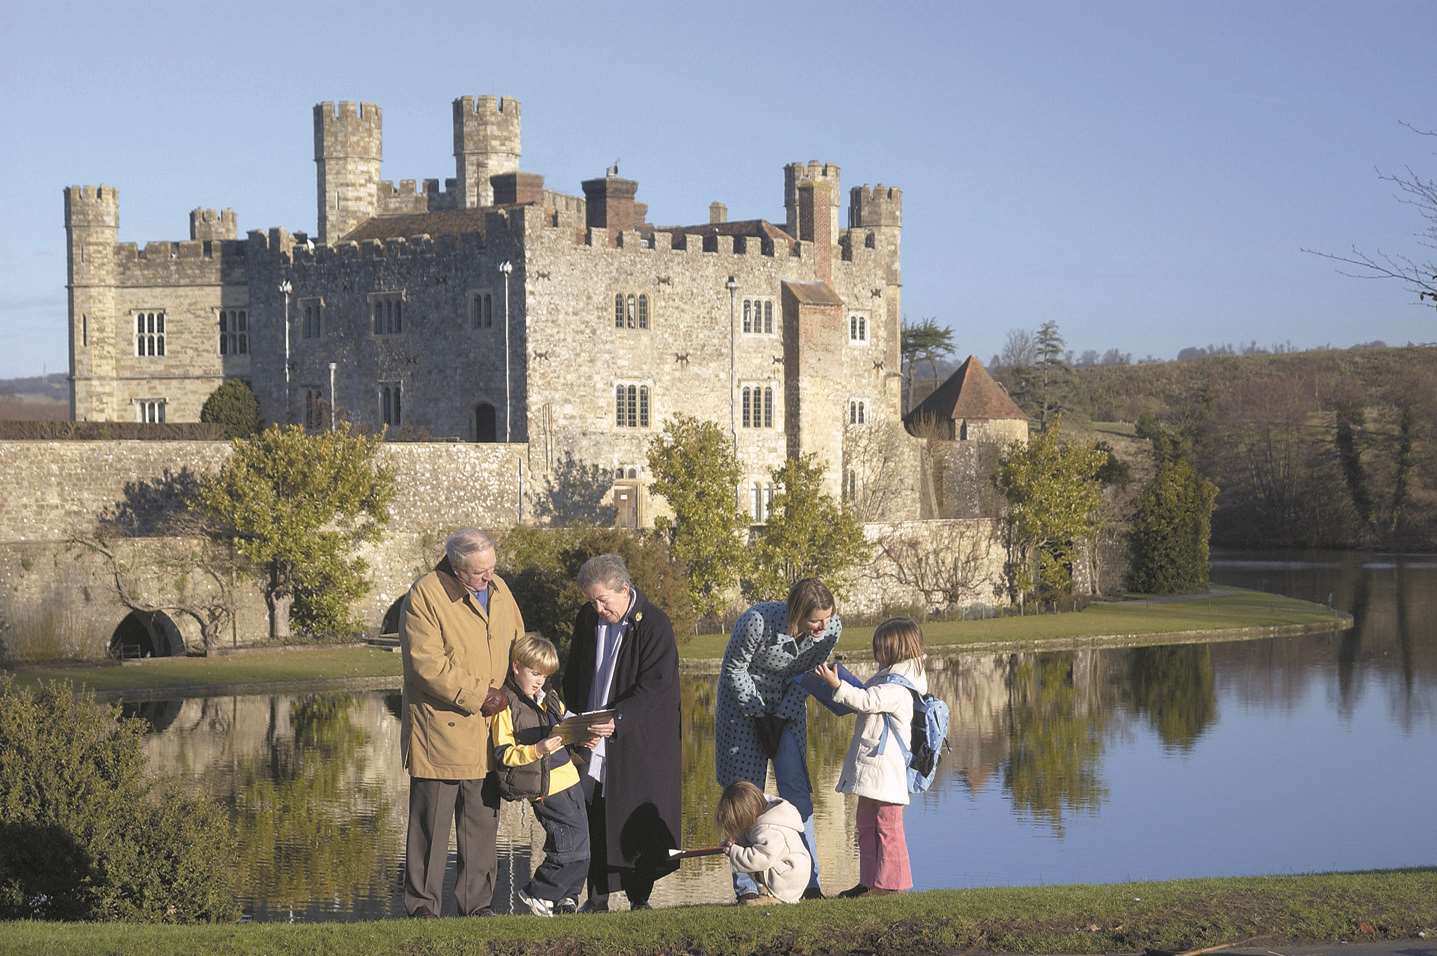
{"x":464,"y":542}
{"x":606,"y":569}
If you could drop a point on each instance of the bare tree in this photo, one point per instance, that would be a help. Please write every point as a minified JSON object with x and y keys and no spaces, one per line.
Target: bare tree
{"x":211,"y":613}
{"x":946,"y":563}
{"x":1416,"y":191}
{"x":1020,"y":349}
{"x":881,"y":472}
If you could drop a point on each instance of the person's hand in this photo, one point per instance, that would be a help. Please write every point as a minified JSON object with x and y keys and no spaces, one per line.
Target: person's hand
{"x":494,"y":702}
{"x":550,"y":745}
{"x":828,"y":673}
{"x":591,"y":743}
{"x":725,"y":844}
{"x":606,"y":729}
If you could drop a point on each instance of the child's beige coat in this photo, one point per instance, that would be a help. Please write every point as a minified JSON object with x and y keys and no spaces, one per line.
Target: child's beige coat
{"x":773,"y":851}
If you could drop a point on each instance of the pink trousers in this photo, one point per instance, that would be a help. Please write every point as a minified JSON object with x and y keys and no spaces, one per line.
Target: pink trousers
{"x":882,"y":847}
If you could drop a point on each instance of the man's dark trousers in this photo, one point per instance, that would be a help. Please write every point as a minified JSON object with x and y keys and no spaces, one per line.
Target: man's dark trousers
{"x":432,"y":805}
{"x":566,"y":846}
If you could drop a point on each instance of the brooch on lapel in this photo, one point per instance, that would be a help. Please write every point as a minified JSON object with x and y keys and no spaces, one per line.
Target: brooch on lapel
{"x":638,"y":616}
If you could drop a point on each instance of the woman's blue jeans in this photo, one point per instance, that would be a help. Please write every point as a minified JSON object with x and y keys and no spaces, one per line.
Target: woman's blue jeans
{"x":790,"y":771}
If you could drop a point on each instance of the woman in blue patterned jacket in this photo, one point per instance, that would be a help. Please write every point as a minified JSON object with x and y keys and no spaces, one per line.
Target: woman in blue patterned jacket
{"x":761,"y":714}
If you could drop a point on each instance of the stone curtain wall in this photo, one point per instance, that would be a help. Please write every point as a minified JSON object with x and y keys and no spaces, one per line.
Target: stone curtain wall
{"x":58,"y":598}
{"x":930,"y":565}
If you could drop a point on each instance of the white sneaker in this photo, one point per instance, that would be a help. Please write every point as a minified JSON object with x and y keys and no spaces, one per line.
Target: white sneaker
{"x":536,"y":906}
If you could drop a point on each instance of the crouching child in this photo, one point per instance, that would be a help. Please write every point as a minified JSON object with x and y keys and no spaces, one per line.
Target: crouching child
{"x":534,"y":764}
{"x":764,"y":837}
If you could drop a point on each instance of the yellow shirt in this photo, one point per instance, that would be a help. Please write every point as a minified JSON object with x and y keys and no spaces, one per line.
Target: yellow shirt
{"x":513,"y":754}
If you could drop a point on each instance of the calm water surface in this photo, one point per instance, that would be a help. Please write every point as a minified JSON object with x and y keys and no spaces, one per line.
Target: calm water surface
{"x":1277,"y":756}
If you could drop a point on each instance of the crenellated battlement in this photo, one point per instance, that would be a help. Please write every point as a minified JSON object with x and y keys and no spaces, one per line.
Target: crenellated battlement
{"x":874,"y":206}
{"x":213,"y":224}
{"x":92,"y":206}
{"x":486,"y":143}
{"x":487,"y":104}
{"x":416,"y":196}
{"x":348,"y":130}
{"x":797,"y":175}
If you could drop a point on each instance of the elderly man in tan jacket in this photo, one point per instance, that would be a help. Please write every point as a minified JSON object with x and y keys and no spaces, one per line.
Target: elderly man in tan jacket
{"x":455,"y":629}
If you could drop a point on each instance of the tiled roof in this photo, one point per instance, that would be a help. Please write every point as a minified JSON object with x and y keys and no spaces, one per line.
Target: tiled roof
{"x":443,"y":222}
{"x":813,"y":293}
{"x":969,"y":393}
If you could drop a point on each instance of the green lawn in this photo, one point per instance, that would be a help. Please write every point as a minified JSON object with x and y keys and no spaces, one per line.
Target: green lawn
{"x":1126,"y":917}
{"x":1225,"y":612}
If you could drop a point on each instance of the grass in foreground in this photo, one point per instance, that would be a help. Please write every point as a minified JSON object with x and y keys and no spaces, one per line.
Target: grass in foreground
{"x":1227,"y":609}
{"x":1128,"y":917}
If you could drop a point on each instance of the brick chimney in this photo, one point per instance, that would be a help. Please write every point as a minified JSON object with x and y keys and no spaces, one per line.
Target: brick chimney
{"x":610,"y":203}
{"x":718,"y":212}
{"x":815,"y":225}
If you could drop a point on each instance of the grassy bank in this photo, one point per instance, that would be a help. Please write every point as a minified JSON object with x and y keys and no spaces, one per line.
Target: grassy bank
{"x":1224,"y":613}
{"x":1129,"y":917}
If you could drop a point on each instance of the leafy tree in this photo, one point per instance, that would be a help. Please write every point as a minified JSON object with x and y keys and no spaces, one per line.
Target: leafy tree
{"x":1173,"y":687}
{"x":1171,"y":528}
{"x":807,"y":535}
{"x":85,"y":834}
{"x":296,"y":507}
{"x":1054,"y":510}
{"x":234,"y":406}
{"x":924,"y":341}
{"x":696,"y":471}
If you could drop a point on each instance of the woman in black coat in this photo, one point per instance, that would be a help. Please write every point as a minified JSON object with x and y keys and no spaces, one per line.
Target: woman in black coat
{"x":623,"y":656}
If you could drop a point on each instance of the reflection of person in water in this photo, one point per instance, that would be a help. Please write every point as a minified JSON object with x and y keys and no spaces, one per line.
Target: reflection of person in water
{"x":762,"y":715}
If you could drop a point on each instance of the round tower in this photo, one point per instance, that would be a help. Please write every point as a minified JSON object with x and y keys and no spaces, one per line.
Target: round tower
{"x":813,"y":171}
{"x":348,"y":148}
{"x":486,"y":143}
{"x":92,"y":227}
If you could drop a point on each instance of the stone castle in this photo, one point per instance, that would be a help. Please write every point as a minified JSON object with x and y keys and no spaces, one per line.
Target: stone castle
{"x":494,"y":309}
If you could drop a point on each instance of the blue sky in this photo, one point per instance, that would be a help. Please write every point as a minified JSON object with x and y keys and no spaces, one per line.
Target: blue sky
{"x":1144,"y":173}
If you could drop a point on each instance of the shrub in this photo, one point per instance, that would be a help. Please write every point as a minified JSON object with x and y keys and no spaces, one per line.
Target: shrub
{"x":1171,"y":528}
{"x":84,"y":835}
{"x":233,"y":407}
{"x":541,"y":564}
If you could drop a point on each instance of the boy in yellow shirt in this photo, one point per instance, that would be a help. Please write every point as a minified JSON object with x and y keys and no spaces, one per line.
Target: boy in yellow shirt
{"x":534,"y":764}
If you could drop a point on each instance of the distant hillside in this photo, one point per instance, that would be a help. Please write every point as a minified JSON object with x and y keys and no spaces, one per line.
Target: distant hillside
{"x":1127,"y":392}
{"x":36,"y":398}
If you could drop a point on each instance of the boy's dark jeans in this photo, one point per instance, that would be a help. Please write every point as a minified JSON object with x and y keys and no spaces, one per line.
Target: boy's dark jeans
{"x":565,"y":820}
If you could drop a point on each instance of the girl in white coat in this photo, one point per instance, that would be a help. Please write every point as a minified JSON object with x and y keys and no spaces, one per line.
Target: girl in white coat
{"x":764,"y":838}
{"x":876,"y":770}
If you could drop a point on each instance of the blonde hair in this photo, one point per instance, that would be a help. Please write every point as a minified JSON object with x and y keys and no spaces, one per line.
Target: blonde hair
{"x":739,"y":809}
{"x":897,"y":639}
{"x":806,"y":596}
{"x":536,"y":653}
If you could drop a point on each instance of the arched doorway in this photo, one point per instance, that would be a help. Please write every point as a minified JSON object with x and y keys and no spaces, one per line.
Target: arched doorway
{"x":485,"y":427}
{"x":146,"y":634}
{"x":390,"y":626}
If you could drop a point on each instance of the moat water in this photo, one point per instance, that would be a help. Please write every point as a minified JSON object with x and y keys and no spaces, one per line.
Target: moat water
{"x":1275,"y":756}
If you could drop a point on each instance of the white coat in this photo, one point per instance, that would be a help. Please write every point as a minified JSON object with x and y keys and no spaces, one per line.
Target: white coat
{"x":774,"y":852}
{"x":882,"y":777}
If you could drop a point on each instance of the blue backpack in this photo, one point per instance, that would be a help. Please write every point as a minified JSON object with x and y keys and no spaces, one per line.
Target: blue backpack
{"x":928,"y":732}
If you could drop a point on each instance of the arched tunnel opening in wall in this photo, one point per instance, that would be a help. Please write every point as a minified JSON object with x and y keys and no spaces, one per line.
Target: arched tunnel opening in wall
{"x":146,"y":634}
{"x":390,"y":625}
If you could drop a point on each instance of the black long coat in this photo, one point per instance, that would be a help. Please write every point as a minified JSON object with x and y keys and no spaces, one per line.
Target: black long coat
{"x":643,"y":783}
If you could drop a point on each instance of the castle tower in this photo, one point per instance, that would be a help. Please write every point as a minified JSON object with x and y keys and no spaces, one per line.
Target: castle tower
{"x":348,"y":147}
{"x":878,"y":210}
{"x":795,"y":174}
{"x":92,"y":227}
{"x":213,"y":224}
{"x":486,"y":143}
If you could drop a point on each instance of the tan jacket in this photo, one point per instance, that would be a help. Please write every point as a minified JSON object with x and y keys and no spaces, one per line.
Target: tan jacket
{"x":454,"y":652}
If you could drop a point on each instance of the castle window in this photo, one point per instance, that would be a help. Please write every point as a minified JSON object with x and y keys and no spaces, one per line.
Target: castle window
{"x":757,"y":406}
{"x":632,"y":310}
{"x":631,"y":406}
{"x":387,"y":312}
{"x":84,"y":330}
{"x":316,"y":409}
{"x":150,"y":410}
{"x":486,"y":427}
{"x":858,"y":329}
{"x":757,"y":317}
{"x":312,"y":318}
{"x":629,"y":315}
{"x":850,"y":484}
{"x":760,"y":502}
{"x":234,"y":331}
{"x":149,"y":334}
{"x":643,"y":311}
{"x":857,"y":411}
{"x":390,"y":409}
{"x":481,"y":310}
{"x":619,"y":310}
